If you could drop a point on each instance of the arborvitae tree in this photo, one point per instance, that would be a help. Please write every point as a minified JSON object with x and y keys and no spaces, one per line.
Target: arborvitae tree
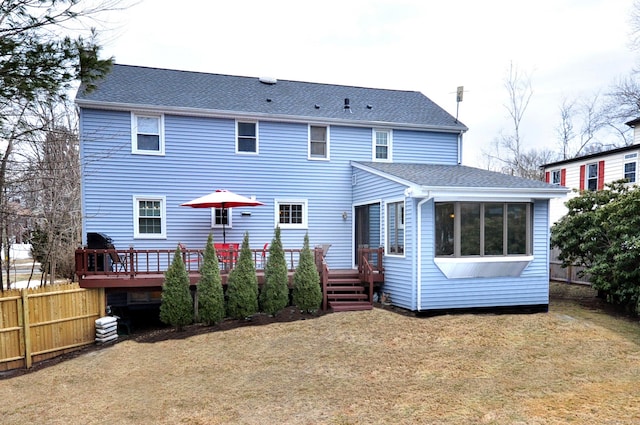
{"x":210,"y":292}
{"x":176,"y":308}
{"x":275,"y":291}
{"x":307,"y":294}
{"x":242,"y":285}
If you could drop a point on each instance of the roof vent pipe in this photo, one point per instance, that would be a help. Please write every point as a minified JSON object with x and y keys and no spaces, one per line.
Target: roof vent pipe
{"x":346,"y":105}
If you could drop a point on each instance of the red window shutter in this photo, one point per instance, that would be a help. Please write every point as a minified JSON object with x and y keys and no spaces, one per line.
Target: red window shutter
{"x":546,"y":177}
{"x":600,"y":175}
{"x":563,"y":177}
{"x":583,"y":173}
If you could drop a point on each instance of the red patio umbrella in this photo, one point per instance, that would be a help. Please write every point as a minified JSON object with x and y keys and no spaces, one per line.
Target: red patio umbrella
{"x":222,"y":199}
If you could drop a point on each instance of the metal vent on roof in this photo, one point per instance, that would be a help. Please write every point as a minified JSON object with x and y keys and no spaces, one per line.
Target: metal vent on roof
{"x":267,"y":80}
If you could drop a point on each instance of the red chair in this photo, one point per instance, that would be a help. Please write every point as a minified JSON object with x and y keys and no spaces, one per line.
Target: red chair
{"x":187,"y":257}
{"x":263,"y":258}
{"x":227,"y":254}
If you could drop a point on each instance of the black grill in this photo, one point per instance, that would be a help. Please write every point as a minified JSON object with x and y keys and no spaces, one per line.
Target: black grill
{"x":97,"y":262}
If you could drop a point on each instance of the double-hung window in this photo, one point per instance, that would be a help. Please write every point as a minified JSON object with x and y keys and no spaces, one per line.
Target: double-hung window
{"x":147,"y":134}
{"x":246,"y":137}
{"x":592,"y":176}
{"x":149,"y":217}
{"x":318,"y":142}
{"x":381,"y":145}
{"x":467,"y":229}
{"x":556,"y":177}
{"x":630,"y":167}
{"x":221,"y":217}
{"x":291,"y":214}
{"x":395,"y":228}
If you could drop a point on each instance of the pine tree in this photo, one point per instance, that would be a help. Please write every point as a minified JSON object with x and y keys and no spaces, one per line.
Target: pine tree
{"x":307,"y":294}
{"x":176,"y":308}
{"x":210,"y":292}
{"x":242,"y":285}
{"x":275,"y":291}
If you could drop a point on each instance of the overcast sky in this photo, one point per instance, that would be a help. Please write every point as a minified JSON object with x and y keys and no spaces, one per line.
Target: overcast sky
{"x":568,"y":47}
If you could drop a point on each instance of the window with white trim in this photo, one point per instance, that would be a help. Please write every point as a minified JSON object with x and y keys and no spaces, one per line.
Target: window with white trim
{"x":395,"y":228}
{"x":147,"y":134}
{"x":592,"y":176}
{"x":291,"y":214}
{"x":630,"y":167}
{"x":149,"y":217}
{"x":318,"y":142}
{"x":246,"y":137}
{"x":471,"y":229}
{"x":382,"y":145}
{"x":221,"y":217}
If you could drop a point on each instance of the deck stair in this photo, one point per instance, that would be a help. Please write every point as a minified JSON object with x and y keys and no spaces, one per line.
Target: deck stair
{"x":345,"y":291}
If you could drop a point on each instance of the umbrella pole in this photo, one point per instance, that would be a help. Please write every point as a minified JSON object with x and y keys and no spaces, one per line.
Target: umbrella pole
{"x":225,"y":217}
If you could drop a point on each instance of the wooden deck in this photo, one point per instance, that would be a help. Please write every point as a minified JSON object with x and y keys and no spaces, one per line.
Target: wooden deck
{"x":139,"y":269}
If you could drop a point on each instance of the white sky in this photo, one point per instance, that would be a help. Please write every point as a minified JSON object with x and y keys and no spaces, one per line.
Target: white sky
{"x":569,"y":48}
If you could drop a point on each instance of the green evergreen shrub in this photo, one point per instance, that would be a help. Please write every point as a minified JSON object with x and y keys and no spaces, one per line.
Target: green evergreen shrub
{"x":242,"y":285}
{"x":274,"y":295}
{"x":210,"y":293}
{"x":176,"y":308}
{"x":307,"y":294}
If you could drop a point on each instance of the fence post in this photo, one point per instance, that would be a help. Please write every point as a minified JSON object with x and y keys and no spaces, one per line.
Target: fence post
{"x":26,"y":326}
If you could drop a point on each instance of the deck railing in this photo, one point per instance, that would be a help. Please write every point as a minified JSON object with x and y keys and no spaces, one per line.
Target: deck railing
{"x":132,"y":262}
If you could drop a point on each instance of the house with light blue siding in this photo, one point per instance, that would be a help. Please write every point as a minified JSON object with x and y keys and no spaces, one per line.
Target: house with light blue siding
{"x":353,"y":167}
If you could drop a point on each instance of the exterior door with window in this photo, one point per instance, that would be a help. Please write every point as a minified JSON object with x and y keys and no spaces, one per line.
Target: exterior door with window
{"x":367,"y":228}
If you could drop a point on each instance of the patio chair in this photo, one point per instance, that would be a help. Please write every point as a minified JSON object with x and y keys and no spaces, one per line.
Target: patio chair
{"x":227,"y":254}
{"x":188,"y":257}
{"x":263,"y":257}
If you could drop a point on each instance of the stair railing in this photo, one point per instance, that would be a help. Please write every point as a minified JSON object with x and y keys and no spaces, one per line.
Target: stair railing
{"x":366,"y":275}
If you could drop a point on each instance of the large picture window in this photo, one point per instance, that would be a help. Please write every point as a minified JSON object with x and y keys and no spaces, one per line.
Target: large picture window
{"x":395,"y":228}
{"x":465,"y":229}
{"x":149,"y":217}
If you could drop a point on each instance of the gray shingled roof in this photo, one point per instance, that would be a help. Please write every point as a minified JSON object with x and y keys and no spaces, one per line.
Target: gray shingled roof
{"x":456,"y":176}
{"x":153,"y":87}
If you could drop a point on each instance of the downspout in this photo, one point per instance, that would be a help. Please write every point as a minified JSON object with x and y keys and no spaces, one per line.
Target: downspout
{"x":460,"y":148}
{"x":419,"y":251}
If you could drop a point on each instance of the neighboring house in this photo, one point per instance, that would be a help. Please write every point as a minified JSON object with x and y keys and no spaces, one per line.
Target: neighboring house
{"x":352,"y":166}
{"x":593,"y":171}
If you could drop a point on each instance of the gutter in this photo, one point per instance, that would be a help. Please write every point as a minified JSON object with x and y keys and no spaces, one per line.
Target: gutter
{"x":218,"y":113}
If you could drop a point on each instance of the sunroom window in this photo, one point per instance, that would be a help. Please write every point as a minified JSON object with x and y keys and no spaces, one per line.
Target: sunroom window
{"x":468,"y":229}
{"x":395,"y":228}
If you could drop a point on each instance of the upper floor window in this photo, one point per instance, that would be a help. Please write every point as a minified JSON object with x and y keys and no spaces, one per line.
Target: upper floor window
{"x":382,"y":145}
{"x":221,"y":217}
{"x":395,"y":228}
{"x":482,"y":229}
{"x":556,"y":177}
{"x":291,"y":214}
{"x":149,"y":217}
{"x":318,"y":142}
{"x":630,"y":167}
{"x":247,"y":137}
{"x":147,"y":134}
{"x":592,"y":176}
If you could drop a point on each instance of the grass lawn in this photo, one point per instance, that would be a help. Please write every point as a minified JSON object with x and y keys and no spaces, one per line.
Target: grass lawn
{"x":573,"y":365}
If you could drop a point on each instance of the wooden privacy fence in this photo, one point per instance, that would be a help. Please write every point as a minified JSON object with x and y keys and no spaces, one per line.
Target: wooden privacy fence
{"x":42,"y":323}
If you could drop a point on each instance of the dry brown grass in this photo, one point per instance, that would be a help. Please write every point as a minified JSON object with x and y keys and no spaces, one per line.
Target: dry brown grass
{"x":573,"y":365}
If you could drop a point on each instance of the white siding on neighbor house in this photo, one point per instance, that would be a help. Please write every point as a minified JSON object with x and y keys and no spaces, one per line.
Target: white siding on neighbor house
{"x":399,"y":274}
{"x":200,"y":157}
{"x":613,"y":170}
{"x":531,"y":288}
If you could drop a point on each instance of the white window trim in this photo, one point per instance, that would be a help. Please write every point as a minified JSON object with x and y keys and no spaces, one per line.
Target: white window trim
{"x":239,"y":152}
{"x":163,"y":216}
{"x":318,"y":158}
{"x":389,"y":145}
{"x":134,"y":134}
{"x":305,"y":214}
{"x":229,"y":225}
{"x":400,"y":227}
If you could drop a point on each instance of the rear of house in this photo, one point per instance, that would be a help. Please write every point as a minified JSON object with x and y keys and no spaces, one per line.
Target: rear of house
{"x":353,"y":167}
